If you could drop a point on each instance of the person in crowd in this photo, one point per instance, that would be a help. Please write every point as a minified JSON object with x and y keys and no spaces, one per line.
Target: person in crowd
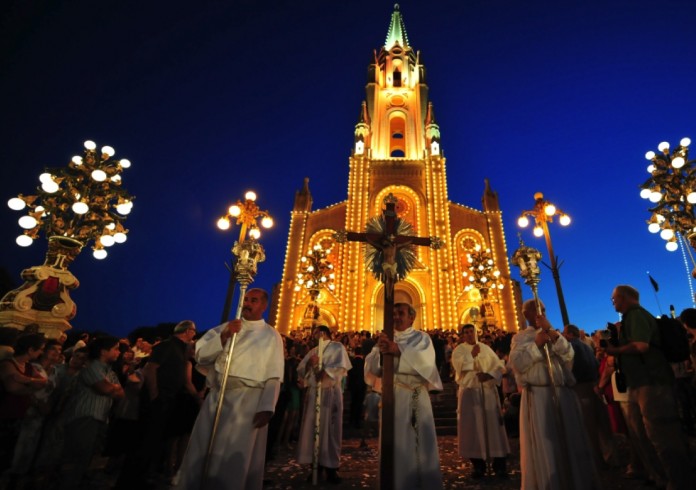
{"x":594,"y":412}
{"x":125,"y":423}
{"x":356,"y":386}
{"x":31,"y":428}
{"x":415,"y":374}
{"x":165,"y":378}
{"x":370,"y":427}
{"x":18,"y":382}
{"x":290,"y":385}
{"x":327,"y":375}
{"x":87,"y":412}
{"x":480,"y":430}
{"x":652,"y":416}
{"x":554,"y":450}
{"x":256,"y":371}
{"x":8,"y":337}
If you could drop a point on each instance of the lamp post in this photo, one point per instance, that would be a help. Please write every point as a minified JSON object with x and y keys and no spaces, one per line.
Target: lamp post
{"x":484,"y":276}
{"x":248,"y":216}
{"x":81,"y":202}
{"x":671,"y":187}
{"x":316,"y":273}
{"x":543,"y":213}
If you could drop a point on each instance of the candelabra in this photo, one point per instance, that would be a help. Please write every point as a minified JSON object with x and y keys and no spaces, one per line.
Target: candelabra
{"x":671,"y":188}
{"x":316,"y":273}
{"x":81,"y":202}
{"x":543,"y":213}
{"x":483,"y":276}
{"x":247,"y":216}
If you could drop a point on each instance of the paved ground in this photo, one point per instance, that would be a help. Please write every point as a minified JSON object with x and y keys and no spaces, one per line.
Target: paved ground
{"x":359,"y":470}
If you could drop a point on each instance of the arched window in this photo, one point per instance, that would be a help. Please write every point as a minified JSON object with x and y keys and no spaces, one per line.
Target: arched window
{"x":397,"y":135}
{"x":397,"y":78}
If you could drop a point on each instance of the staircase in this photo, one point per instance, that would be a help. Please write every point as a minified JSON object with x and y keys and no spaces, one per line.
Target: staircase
{"x":445,"y":409}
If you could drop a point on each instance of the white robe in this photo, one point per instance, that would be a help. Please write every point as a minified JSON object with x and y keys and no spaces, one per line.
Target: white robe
{"x":416,"y":455}
{"x":541,"y":444}
{"x":480,"y":429}
{"x":335,"y":363}
{"x":253,"y":386}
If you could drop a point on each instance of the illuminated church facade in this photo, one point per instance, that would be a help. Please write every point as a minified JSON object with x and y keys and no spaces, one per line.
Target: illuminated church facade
{"x":397,"y":150}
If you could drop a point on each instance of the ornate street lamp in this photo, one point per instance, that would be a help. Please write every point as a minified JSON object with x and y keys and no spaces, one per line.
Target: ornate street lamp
{"x":248,"y":216}
{"x":672,"y":189}
{"x":543,"y":213}
{"x":484,"y":276}
{"x":316,"y":273}
{"x":81,"y":202}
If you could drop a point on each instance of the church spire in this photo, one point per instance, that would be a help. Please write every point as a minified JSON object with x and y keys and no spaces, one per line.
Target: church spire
{"x":397,"y":31}
{"x":432,"y":131}
{"x":362,"y":131}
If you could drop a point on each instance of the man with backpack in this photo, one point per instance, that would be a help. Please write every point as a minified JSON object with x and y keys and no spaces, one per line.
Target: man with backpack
{"x":652,"y":415}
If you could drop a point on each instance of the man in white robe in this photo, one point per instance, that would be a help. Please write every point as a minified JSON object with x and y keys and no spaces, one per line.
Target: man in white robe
{"x":555,"y":453}
{"x":480,"y":429}
{"x":253,"y":385}
{"x":416,"y":454}
{"x":335,"y":363}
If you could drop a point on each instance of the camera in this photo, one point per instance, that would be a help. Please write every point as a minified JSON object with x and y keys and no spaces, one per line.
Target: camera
{"x":609,"y":336}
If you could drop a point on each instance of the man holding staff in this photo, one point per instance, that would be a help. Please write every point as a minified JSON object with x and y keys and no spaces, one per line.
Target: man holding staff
{"x":480,"y":430}
{"x":555,"y":453}
{"x":251,"y":392}
{"x":323,"y":367}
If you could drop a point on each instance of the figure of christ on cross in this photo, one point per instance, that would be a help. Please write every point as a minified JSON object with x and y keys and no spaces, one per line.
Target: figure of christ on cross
{"x":390,"y":243}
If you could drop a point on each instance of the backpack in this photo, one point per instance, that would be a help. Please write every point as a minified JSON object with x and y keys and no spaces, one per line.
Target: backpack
{"x":674,"y":342}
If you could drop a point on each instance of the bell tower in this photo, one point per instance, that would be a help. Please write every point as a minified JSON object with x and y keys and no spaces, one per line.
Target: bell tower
{"x":397,"y":150}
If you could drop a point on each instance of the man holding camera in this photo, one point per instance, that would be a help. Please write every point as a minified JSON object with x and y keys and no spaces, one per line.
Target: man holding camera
{"x":652,"y":414}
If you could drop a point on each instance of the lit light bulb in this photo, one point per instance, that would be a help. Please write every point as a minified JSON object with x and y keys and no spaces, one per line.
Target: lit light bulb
{"x":108,"y":150}
{"x":651,"y":168}
{"x":80,"y":207}
{"x":24,"y":240}
{"x":124,"y":208}
{"x":523,"y":222}
{"x":667,"y":234}
{"x":16,"y":204}
{"x":653,"y":227}
{"x":650,"y":155}
{"x":223,"y":224}
{"x":538,"y":231}
{"x":671,"y":246}
{"x":250,"y":195}
{"x":90,"y":145}
{"x":50,"y":187}
{"x":645,"y":193}
{"x":664,"y":146}
{"x":234,"y":210}
{"x":255,"y":233}
{"x":120,"y":237}
{"x":685,"y":142}
{"x":564,"y":220}
{"x":116,"y":178}
{"x":107,"y":240}
{"x":77,"y":160}
{"x":691,"y":197}
{"x":45,"y":177}
{"x":27,"y":222}
{"x":297,"y":288}
{"x":655,"y":196}
{"x":100,"y":254}
{"x":99,"y":175}
{"x":677,"y":162}
{"x":124,"y":162}
{"x":550,"y":209}
{"x":267,"y":222}
{"x":501,"y":286}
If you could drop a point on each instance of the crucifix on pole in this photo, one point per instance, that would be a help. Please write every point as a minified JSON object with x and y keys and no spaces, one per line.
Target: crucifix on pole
{"x":390,"y":256}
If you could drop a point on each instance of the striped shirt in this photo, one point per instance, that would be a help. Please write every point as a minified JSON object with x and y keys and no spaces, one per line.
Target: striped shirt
{"x":86,"y":401}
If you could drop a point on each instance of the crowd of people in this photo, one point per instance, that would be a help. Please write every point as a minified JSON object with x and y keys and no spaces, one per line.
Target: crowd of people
{"x":162,"y":411}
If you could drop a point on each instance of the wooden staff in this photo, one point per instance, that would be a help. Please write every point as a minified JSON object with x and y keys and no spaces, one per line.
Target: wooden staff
{"x":317,"y":413}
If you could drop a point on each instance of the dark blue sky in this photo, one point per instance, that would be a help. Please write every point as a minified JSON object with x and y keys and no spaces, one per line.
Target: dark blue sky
{"x":209,"y":99}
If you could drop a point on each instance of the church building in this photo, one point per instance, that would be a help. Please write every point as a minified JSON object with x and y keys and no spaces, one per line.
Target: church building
{"x":397,"y":150}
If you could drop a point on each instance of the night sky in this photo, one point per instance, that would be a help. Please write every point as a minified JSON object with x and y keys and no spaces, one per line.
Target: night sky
{"x":209,"y":99}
